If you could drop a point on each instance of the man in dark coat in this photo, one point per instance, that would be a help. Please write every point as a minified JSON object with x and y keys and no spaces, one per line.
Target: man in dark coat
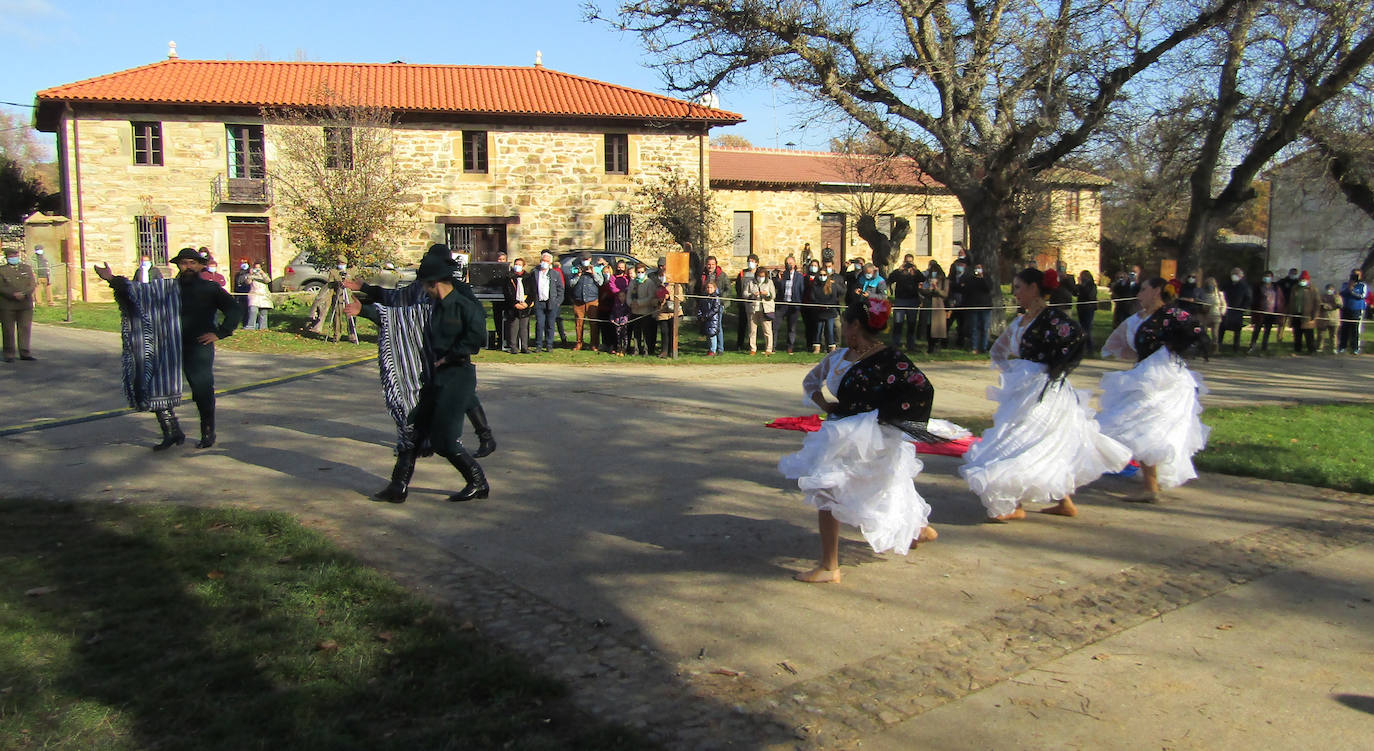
{"x":1238,"y":298}
{"x":1124,"y":290}
{"x":200,"y":300}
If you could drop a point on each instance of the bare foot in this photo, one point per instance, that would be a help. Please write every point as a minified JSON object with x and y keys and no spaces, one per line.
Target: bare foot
{"x":1063,"y":508}
{"x":1019,"y":513}
{"x":927,"y":534}
{"x":819,"y":575}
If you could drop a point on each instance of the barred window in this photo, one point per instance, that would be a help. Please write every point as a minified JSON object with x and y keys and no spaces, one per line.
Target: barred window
{"x":1071,"y":206}
{"x":152,"y":238}
{"x":148,"y":144}
{"x":618,"y":233}
{"x":338,"y":144}
{"x":617,"y":154}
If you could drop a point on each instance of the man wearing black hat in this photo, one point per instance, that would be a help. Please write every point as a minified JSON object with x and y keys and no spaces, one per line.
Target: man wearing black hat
{"x":185,"y":305}
{"x":401,"y":316}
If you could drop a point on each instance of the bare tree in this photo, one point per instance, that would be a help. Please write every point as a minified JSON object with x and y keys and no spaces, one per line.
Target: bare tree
{"x":875,"y":183}
{"x":339,"y":192}
{"x":673,"y":209}
{"x":1267,"y":71}
{"x":984,"y":95}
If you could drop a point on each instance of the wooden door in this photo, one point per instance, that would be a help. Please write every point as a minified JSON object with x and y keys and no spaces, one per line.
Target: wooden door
{"x":832,"y":236}
{"x":251,"y":238}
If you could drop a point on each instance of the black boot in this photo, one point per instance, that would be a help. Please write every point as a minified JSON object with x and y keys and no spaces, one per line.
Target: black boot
{"x":171,"y":431}
{"x":478,"y":417}
{"x":207,"y":433}
{"x":466,"y":465}
{"x":400,"y":479}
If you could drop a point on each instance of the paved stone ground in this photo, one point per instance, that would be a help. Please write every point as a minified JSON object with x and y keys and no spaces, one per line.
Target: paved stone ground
{"x":639,"y":545}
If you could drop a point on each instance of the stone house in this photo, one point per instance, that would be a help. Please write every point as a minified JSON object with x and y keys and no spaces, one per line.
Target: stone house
{"x":513,"y":159}
{"x":1311,"y":224}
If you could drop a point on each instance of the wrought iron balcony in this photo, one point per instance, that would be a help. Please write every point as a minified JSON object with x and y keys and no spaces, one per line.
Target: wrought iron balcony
{"x":252,"y":191}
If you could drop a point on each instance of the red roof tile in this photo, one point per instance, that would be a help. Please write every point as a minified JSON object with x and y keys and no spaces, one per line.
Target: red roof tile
{"x":396,"y":86}
{"x":778,"y":167}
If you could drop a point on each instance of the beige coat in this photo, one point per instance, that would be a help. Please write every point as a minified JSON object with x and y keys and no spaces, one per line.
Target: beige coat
{"x":938,"y":292}
{"x":671,"y":304}
{"x":760,"y":295}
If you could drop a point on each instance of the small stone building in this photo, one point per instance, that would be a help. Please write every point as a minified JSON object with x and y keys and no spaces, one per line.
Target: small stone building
{"x":1311,"y":224}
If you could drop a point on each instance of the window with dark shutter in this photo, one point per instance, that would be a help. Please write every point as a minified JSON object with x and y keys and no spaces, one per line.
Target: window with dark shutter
{"x":475,"y":151}
{"x":152,"y":238}
{"x":338,"y":144}
{"x":148,"y":144}
{"x":1071,"y":206}
{"x":617,"y":154}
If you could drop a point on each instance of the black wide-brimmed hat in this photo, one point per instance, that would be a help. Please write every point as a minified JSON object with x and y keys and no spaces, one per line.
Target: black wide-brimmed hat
{"x":188,"y":254}
{"x":436,"y":267}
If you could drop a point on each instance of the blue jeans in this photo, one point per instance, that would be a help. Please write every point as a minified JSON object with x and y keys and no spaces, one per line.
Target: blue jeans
{"x":904,"y":319}
{"x":825,"y":333}
{"x":257,"y":318}
{"x":978,"y":322}
{"x":716,"y":342}
{"x":545,"y":317}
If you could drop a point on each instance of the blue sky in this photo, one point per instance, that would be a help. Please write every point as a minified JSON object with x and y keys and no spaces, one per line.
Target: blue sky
{"x":52,"y":42}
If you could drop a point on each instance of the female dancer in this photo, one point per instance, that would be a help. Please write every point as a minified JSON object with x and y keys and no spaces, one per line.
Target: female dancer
{"x":858,"y":469}
{"x":1043,"y":442}
{"x":1153,"y":408}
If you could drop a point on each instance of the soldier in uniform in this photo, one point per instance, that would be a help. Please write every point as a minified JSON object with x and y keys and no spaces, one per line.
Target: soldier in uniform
{"x":197,"y":300}
{"x":17,"y":284}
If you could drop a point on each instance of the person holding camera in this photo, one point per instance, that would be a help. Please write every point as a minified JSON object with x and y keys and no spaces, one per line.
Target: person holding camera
{"x":905,"y":284}
{"x":760,"y":293}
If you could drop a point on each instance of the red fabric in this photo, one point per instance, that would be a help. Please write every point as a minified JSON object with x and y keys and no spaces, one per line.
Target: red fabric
{"x":812,"y":423}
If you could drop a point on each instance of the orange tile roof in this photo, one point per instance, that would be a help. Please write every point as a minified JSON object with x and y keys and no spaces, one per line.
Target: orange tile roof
{"x":397,"y":86}
{"x":786,"y":167}
{"x":748,"y":167}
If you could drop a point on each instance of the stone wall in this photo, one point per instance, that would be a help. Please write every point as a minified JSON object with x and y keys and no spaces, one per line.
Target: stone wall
{"x":1312,"y":226}
{"x":549,"y":181}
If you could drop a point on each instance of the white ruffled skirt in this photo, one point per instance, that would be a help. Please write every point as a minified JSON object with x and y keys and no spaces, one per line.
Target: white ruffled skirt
{"x":1154,"y":410}
{"x":862,"y":472}
{"x":1038,"y":449}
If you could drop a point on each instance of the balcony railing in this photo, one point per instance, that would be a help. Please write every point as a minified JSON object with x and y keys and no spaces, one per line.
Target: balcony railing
{"x":240,"y":190}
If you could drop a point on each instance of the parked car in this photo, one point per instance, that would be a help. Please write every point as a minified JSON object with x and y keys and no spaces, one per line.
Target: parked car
{"x":300,"y":275}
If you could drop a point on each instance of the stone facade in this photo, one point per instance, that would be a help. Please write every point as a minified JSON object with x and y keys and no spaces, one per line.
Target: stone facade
{"x":784,"y":220}
{"x":547,"y":185}
{"x":1313,"y":227}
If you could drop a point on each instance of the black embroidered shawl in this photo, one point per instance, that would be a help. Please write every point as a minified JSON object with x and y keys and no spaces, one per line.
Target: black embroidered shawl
{"x":888,"y":382}
{"x":1055,"y":339}
{"x":1171,"y":327}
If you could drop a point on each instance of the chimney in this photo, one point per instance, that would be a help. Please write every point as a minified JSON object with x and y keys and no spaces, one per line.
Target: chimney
{"x":171,"y":50}
{"x":538,"y":58}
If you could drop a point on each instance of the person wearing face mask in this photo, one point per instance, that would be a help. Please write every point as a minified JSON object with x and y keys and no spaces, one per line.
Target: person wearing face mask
{"x":184,"y":310}
{"x":519,"y":292}
{"x":760,"y":292}
{"x":259,"y":298}
{"x":146,"y":271}
{"x":670,"y":298}
{"x":17,"y":284}
{"x":790,"y":288}
{"x":585,"y":290}
{"x":1211,"y":306}
{"x":905,"y":284}
{"x":1354,"y":294}
{"x":1304,"y":306}
{"x":1237,"y":296}
{"x":936,"y":293}
{"x":808,"y":312}
{"x":825,"y":294}
{"x":1268,"y":311}
{"x":211,"y":272}
{"x":1286,"y":285}
{"x":978,"y":303}
{"x":954,"y":303}
{"x":43,"y":271}
{"x":743,"y":308}
{"x":1329,"y":322}
{"x":643,"y":300}
{"x":548,"y":297}
{"x":241,"y":287}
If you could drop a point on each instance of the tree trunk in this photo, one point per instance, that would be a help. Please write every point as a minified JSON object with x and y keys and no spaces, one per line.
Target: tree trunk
{"x":984,"y":219}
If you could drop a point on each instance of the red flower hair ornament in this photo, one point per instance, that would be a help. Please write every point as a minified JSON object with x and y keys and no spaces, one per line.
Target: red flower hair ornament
{"x":879,"y":310}
{"x":1175,"y":285}
{"x":1050,"y":280}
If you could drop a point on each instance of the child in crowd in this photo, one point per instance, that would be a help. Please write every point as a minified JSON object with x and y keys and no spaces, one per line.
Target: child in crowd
{"x":709,"y":313}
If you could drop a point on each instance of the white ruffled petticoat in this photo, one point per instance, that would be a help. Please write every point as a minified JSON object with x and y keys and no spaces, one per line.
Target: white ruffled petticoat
{"x":862,"y":472}
{"x":1038,"y":450}
{"x":1153,"y":409}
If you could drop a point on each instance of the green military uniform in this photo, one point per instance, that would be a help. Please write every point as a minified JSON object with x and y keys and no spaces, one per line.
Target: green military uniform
{"x":17,"y":284}
{"x":457,"y":330}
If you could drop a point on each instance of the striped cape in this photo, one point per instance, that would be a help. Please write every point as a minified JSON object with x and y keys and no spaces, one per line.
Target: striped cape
{"x":405,"y":361}
{"x":151,"y":333}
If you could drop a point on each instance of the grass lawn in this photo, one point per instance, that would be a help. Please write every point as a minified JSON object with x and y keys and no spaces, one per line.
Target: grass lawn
{"x":143,"y":626}
{"x":1325,"y":445}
